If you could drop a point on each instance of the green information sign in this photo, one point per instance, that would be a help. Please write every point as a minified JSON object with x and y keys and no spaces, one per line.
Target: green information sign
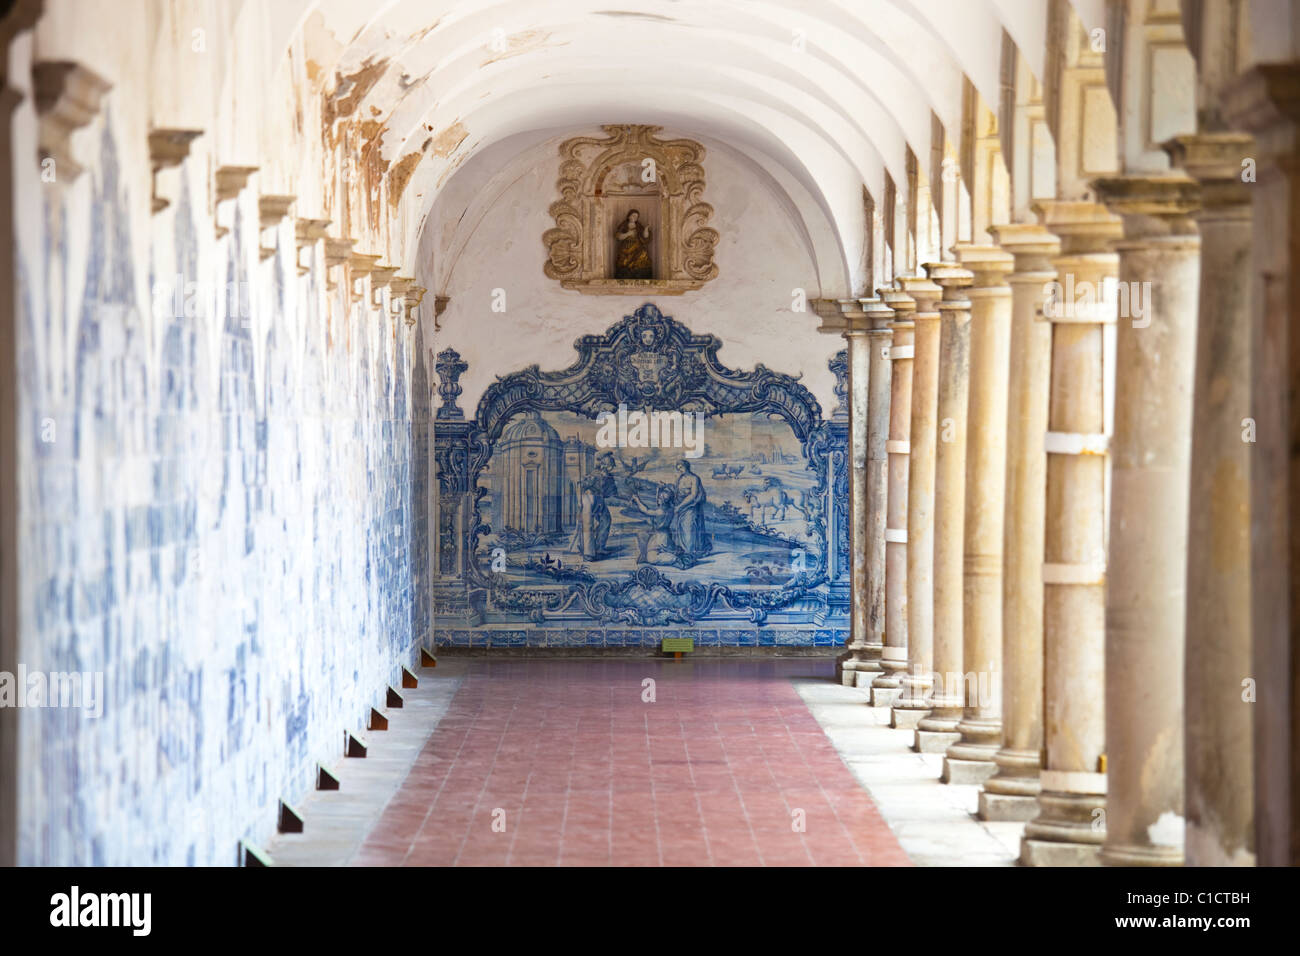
{"x":678,"y":645}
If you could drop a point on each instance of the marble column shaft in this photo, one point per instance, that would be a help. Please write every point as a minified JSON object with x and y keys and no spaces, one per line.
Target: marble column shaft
{"x":1071,"y":822}
{"x":1218,"y":770}
{"x":858,"y":656}
{"x":970,"y":759}
{"x":1011,"y":793}
{"x":878,"y":315}
{"x":939,"y":728}
{"x":1146,"y":598}
{"x":1265,"y":102}
{"x":893,"y":660}
{"x":915,"y":687}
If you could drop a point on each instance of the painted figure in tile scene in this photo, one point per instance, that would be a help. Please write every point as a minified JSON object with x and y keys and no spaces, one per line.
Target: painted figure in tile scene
{"x":655,"y":545}
{"x":688,"y":525}
{"x":592,"y":531}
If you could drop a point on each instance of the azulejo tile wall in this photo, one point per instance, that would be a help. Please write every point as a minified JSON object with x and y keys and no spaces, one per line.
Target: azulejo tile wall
{"x":647,"y":491}
{"x":223,"y":511}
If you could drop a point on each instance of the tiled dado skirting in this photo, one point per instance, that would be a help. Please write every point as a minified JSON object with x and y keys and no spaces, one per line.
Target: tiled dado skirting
{"x":827,"y":640}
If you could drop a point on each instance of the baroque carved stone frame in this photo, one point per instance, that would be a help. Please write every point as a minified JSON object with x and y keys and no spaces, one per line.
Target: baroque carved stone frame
{"x":577,"y":248}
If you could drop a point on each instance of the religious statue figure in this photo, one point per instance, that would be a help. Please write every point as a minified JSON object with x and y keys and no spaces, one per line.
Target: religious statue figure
{"x":632,"y":260}
{"x":688,"y":519}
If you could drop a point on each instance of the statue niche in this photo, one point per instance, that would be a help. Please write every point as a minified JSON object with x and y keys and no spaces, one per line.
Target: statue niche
{"x":631,"y":218}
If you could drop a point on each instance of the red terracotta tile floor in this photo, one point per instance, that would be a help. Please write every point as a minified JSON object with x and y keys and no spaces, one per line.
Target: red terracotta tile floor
{"x":543,"y":763}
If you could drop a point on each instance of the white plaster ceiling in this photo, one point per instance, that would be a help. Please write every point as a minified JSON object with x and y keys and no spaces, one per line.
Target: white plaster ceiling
{"x":833,"y":91}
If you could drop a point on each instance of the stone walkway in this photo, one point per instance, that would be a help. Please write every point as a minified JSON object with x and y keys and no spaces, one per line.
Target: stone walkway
{"x":338,"y":820}
{"x":935,"y":822}
{"x":570,"y":762}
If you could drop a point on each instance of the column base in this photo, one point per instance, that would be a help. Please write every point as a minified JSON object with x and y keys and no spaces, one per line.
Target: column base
{"x":884,"y":696}
{"x":1003,"y":808}
{"x":1068,"y":831}
{"x":915,"y":693}
{"x":981,"y":738}
{"x":942,"y":720}
{"x":971,"y":752}
{"x":971,"y":772}
{"x":891,"y":675}
{"x":905,"y":718}
{"x":934,"y":741}
{"x":850,"y":669}
{"x":1049,"y":853}
{"x":1017,"y":773}
{"x":1141,"y":856}
{"x":1011,"y":794}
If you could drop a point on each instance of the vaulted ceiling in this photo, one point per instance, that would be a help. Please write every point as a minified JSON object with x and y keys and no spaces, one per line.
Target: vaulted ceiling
{"x":830,"y":91}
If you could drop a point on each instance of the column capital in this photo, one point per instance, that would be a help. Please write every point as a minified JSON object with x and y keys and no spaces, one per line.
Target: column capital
{"x":856,"y":326}
{"x":1215,"y":161}
{"x":879,"y":315}
{"x":835,"y":313}
{"x":1152,"y":206}
{"x":990,"y":264}
{"x":1084,"y":228}
{"x":1015,"y":236}
{"x":902,"y":304}
{"x":952,"y":278}
{"x":922,"y":291}
{"x":1265,"y":101}
{"x":1032,"y":246}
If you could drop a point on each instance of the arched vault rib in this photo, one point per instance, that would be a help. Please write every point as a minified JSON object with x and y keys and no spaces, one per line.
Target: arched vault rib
{"x":835,"y":90}
{"x":520,"y":154}
{"x":836,"y":192}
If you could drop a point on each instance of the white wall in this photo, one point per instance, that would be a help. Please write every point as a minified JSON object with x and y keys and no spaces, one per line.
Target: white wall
{"x":484,"y":234}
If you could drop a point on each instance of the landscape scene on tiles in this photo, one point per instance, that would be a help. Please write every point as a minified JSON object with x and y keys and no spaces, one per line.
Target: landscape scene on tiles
{"x":732,"y":509}
{"x":646,"y":485}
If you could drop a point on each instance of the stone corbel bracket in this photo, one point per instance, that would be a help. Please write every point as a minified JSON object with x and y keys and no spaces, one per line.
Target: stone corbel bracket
{"x":168,"y":148}
{"x":380,"y":277}
{"x":414,"y":297}
{"x":836,"y":314}
{"x":230,"y":182}
{"x":398,"y":288}
{"x":67,"y":97}
{"x":338,"y":252}
{"x":307,"y":232}
{"x":410,"y":293}
{"x":360,"y":265}
{"x":440,"y":303}
{"x":271,"y":211}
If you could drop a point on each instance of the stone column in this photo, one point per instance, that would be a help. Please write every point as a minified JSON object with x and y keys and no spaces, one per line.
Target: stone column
{"x":885,"y":688}
{"x":1146,"y":597}
{"x":877,"y":476}
{"x":938,"y":729}
{"x":1012,"y":792}
{"x":1265,"y":101}
{"x":1070,"y":825}
{"x":914,"y":689}
{"x":1218,"y":769}
{"x":859,"y":657}
{"x":970,"y":759}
